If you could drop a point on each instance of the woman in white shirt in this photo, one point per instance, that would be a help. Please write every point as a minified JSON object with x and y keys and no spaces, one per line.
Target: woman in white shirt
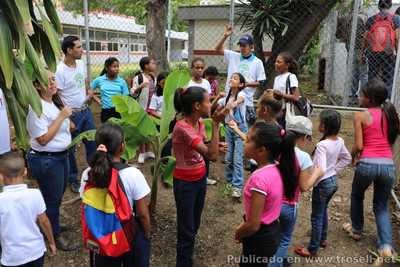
{"x":48,"y":158}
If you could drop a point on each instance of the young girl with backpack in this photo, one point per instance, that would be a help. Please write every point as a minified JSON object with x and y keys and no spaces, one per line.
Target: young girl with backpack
{"x":190,"y":172}
{"x":331,"y":156}
{"x":110,"y":84}
{"x":157,"y":99}
{"x":115,"y":214}
{"x":143,"y":88}
{"x":234,"y":104}
{"x":376,"y":131}
{"x":263,"y":192}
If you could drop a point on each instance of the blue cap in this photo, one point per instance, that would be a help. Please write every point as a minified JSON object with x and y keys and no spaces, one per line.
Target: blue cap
{"x":246,"y":40}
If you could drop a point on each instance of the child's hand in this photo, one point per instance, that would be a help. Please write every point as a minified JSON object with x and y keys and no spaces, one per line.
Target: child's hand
{"x":219,"y":115}
{"x":228,"y":30}
{"x":53,"y":250}
{"x":221,"y":95}
{"x":233,"y":125}
{"x":278,"y":94}
{"x":222,"y":147}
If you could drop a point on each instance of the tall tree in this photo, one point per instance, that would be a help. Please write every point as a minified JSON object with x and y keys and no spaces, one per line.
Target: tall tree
{"x":291,"y":24}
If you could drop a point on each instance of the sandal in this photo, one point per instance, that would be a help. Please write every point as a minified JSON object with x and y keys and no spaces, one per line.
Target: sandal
{"x":349,"y":230}
{"x":323,"y":244}
{"x":303,"y":252}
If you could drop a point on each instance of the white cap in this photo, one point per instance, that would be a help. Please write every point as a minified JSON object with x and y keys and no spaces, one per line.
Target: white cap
{"x":300,"y":124}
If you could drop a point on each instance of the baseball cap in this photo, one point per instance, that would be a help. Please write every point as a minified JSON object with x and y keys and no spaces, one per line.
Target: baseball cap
{"x":300,"y":124}
{"x":246,"y":40}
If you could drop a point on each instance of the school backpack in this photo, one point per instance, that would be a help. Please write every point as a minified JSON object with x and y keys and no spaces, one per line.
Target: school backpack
{"x":302,"y":107}
{"x":108,"y":223}
{"x":140,"y":81}
{"x":382,"y":35}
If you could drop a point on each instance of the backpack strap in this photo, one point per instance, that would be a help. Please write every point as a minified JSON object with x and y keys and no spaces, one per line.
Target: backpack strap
{"x":121,"y":166}
{"x":288,"y":89}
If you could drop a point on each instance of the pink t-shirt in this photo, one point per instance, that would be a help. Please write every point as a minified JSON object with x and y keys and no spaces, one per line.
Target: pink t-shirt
{"x":190,"y":165}
{"x":267,"y":181}
{"x":375,"y":137}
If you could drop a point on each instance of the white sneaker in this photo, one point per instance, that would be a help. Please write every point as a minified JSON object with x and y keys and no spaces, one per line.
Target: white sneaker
{"x":141,"y":158}
{"x":236,"y":193}
{"x":150,"y":155}
{"x":211,"y":181}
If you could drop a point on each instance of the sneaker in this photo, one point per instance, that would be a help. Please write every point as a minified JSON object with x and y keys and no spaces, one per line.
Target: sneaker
{"x":75,"y":186}
{"x":63,"y":244}
{"x":236,"y":193}
{"x":150,"y":155}
{"x":211,"y":181}
{"x":141,"y":158}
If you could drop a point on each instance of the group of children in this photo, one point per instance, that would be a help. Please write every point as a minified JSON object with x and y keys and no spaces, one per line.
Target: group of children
{"x":271,"y":193}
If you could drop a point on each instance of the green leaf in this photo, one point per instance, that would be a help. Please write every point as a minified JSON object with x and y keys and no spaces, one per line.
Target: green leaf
{"x":23,"y":8}
{"x":208,"y":128}
{"x":156,"y":120}
{"x":50,"y":32}
{"x":133,"y":137}
{"x":167,"y":166}
{"x":132,"y":113}
{"x":88,"y":135}
{"x":178,"y":78}
{"x":6,"y":53}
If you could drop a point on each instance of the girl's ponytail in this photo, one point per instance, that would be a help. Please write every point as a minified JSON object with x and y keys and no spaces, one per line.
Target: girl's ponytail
{"x":109,"y":138}
{"x":184,"y":99}
{"x":392,"y":121}
{"x":288,"y":165}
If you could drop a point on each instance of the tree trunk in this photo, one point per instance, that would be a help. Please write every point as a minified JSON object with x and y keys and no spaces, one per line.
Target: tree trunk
{"x":304,"y":25}
{"x":259,"y":50}
{"x":155,"y":32}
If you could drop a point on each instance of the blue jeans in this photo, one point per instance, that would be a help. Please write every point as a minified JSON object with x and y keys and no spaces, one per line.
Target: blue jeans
{"x":234,"y":158}
{"x":83,"y":121}
{"x":287,"y":220}
{"x":141,"y":248}
{"x":51,"y":173}
{"x":383,"y":176}
{"x":189,"y":200}
{"x":321,"y":196}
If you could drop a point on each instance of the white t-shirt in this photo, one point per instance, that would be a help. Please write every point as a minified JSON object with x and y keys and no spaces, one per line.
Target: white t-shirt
{"x":280,"y":82}
{"x":21,"y":239}
{"x":5,"y":145}
{"x":252,"y":69}
{"x":134,"y":182}
{"x":303,"y":158}
{"x":156,"y":103}
{"x":71,"y":84}
{"x":242,"y":106}
{"x":204,"y":84}
{"x":39,"y":126}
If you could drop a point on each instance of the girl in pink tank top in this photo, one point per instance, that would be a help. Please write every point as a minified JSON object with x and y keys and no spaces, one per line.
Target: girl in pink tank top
{"x":376,"y":131}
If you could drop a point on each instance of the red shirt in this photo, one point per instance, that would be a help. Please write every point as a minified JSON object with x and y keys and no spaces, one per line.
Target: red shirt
{"x":190,"y":165}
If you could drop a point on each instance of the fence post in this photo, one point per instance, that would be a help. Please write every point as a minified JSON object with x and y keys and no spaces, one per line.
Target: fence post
{"x":330,"y":66}
{"x":231,"y":21}
{"x":87,"y":41}
{"x":169,"y":30}
{"x":350,"y":55}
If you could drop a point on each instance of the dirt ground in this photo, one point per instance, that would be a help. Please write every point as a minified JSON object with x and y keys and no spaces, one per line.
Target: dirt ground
{"x":215,"y":245}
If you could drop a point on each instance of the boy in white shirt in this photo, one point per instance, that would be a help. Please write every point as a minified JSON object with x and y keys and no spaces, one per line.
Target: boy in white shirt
{"x":22,"y":210}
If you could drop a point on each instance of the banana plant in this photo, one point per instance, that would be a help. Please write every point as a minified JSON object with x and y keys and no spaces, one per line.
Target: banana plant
{"x":141,"y":128}
{"x":27,"y":46}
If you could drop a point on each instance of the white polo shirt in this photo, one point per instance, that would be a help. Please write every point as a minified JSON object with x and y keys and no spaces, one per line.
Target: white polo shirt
{"x":20,"y":237}
{"x":71,"y":84}
{"x":5,"y":145}
{"x":252,"y":69}
{"x":40,"y":126}
{"x":204,"y":84}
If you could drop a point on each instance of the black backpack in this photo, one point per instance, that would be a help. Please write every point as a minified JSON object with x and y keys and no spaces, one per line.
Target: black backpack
{"x":140,"y":81}
{"x":303,"y":107}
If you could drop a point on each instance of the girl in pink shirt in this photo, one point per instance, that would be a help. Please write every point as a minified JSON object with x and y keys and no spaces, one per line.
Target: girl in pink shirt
{"x":376,"y":131}
{"x":263,"y":194}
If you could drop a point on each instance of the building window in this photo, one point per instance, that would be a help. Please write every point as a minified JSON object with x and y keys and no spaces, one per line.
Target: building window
{"x":70,"y":30}
{"x":92,"y":46}
{"x":144,"y":48}
{"x":115,"y":46}
{"x":101,"y":36}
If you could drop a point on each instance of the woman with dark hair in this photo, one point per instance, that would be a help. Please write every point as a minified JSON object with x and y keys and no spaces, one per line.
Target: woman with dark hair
{"x":190,"y":183}
{"x":110,"y":84}
{"x":376,"y":131}
{"x":48,"y":157}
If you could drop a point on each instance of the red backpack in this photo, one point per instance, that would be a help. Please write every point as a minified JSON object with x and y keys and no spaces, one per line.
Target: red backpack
{"x":108,"y":223}
{"x":382,"y":35}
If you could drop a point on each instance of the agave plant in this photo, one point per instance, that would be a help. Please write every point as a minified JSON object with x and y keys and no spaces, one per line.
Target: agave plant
{"x":140,"y":128}
{"x":27,"y":45}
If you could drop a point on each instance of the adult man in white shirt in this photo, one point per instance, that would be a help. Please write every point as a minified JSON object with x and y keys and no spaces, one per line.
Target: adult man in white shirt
{"x":72,"y":88}
{"x":5,"y":144}
{"x":248,"y":65}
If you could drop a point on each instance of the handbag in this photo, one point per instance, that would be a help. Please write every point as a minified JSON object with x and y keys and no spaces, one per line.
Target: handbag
{"x":302,"y":107}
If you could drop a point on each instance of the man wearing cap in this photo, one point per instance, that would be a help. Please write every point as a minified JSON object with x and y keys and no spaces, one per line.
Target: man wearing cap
{"x":245,"y":63}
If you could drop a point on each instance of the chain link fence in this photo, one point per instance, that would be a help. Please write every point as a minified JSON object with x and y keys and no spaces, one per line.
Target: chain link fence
{"x":117,"y":35}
